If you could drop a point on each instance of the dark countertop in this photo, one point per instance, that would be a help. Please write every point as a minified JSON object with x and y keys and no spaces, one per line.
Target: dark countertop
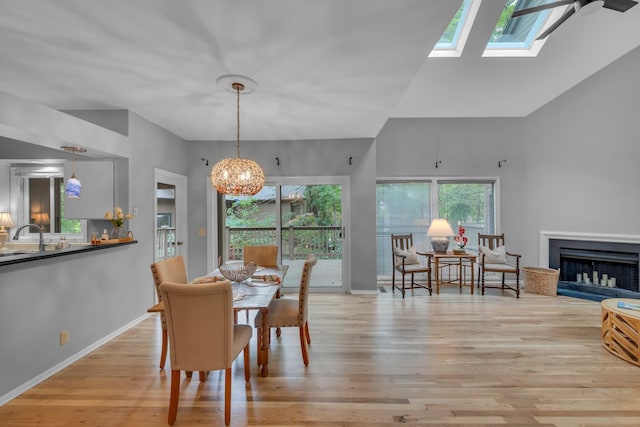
{"x":35,"y":256}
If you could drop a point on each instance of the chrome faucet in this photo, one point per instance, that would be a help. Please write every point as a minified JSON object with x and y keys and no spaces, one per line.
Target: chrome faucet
{"x":41,"y":245}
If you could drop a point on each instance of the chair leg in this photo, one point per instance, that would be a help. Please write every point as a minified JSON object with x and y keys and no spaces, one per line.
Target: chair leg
{"x":303,"y":346}
{"x":259,"y":345}
{"x":306,"y":332}
{"x":189,"y":373}
{"x":227,"y":396}
{"x":203,"y":375}
{"x":403,"y":286}
{"x":393,"y":281}
{"x":175,"y":395}
{"x":163,"y":354}
{"x":517,"y":283}
{"x":247,"y":362}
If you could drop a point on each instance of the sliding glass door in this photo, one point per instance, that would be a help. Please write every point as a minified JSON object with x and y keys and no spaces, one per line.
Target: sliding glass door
{"x":300,"y":216}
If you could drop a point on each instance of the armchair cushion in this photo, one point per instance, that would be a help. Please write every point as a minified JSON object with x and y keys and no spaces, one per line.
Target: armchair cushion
{"x":507,"y":268}
{"x":411,"y":257}
{"x":496,"y":256}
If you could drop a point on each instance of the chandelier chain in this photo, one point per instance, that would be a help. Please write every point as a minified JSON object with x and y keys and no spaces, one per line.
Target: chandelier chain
{"x":238,"y":116}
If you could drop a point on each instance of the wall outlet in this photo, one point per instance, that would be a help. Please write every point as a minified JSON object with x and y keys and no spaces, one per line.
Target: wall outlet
{"x":64,"y":337}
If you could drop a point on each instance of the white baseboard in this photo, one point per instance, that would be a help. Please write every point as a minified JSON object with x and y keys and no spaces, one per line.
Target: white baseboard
{"x":60,"y":366}
{"x":364,"y":292}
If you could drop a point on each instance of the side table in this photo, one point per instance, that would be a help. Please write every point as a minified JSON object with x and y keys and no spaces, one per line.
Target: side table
{"x":621,"y":329}
{"x":459,"y":262}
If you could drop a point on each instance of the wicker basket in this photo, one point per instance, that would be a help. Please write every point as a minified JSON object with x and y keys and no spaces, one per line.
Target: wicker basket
{"x":542,"y":281}
{"x":238,"y":271}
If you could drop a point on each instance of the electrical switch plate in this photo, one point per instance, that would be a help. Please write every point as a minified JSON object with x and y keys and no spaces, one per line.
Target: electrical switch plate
{"x":64,"y":337}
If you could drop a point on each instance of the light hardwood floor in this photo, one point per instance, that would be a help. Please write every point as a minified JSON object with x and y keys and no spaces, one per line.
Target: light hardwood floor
{"x":448,"y":359}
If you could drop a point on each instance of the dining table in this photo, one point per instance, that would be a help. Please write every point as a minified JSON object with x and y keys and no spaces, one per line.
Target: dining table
{"x":255,"y":293}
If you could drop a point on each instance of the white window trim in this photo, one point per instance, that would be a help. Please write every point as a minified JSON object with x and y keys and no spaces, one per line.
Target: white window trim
{"x":19,"y":208}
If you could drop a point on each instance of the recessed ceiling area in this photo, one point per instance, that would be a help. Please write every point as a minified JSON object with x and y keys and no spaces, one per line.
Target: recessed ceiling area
{"x":324,"y":70}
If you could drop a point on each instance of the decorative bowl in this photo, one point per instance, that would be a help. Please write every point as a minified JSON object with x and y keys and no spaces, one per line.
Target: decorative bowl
{"x":238,"y":271}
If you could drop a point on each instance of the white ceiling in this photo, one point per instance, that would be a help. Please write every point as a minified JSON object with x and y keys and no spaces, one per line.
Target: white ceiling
{"x":325,"y":69}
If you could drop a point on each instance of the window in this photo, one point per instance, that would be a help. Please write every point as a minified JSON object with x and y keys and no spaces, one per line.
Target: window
{"x":455,"y":36}
{"x":471,"y":204}
{"x":511,"y":36}
{"x":517,"y":36}
{"x":402,"y":208}
{"x":40,"y":200}
{"x":409,"y":206}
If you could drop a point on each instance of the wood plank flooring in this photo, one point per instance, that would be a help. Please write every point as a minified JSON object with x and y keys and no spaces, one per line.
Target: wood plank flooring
{"x":448,"y":359}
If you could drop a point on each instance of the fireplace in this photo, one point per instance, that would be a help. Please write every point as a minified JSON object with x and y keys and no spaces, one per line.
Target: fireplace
{"x":602,"y":269}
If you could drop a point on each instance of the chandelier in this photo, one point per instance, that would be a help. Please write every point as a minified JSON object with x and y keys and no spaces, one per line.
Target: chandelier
{"x":237,"y":176}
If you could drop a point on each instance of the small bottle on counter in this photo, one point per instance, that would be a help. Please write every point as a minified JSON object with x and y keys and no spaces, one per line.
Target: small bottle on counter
{"x":105,"y":235}
{"x":94,"y":238}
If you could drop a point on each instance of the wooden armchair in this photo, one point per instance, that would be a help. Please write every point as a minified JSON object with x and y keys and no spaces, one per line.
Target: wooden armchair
{"x":494,"y":258}
{"x":405,"y":261}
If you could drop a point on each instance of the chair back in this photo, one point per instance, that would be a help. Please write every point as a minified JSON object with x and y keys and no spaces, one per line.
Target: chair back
{"x":264,"y":256}
{"x":168,"y":270}
{"x":303,"y":295}
{"x":491,"y":241}
{"x":200,"y":325}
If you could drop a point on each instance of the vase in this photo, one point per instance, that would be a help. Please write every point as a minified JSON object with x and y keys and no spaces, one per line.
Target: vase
{"x":116,"y":233}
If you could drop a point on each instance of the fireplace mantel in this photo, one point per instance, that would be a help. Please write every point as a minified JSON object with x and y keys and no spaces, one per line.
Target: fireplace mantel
{"x":545,"y":236}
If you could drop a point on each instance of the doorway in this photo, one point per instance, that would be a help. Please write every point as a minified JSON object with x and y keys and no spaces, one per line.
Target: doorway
{"x":170,"y":213}
{"x":300,"y":216}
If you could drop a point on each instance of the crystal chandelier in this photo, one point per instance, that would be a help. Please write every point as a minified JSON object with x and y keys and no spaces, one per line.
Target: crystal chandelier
{"x":237,"y":176}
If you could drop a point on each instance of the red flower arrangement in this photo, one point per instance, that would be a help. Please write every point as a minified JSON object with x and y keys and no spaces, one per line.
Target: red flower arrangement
{"x":460,"y":239}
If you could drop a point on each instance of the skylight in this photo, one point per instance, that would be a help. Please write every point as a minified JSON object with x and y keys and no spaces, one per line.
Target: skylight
{"x":455,"y":36}
{"x":517,"y":36}
{"x":510,"y":37}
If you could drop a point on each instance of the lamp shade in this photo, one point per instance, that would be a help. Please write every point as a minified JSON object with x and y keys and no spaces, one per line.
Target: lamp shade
{"x":5,"y":220}
{"x":41,"y":218}
{"x":73,"y":189}
{"x":440,"y":228}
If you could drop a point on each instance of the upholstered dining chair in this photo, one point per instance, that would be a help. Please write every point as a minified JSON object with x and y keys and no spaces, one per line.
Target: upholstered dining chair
{"x":167,"y":270}
{"x":264,"y":256}
{"x":494,"y":258}
{"x":405,"y":261}
{"x":203,"y":336}
{"x":287,"y":312}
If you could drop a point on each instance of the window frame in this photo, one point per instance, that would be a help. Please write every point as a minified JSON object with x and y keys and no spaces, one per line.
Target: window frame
{"x":434,"y":182}
{"x":20,"y":174}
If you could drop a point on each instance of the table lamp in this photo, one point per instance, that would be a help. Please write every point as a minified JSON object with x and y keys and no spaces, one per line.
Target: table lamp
{"x":440,"y":231}
{"x":5,"y":221}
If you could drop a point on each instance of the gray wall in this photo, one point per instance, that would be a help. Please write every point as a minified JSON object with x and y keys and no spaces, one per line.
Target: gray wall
{"x":91,"y":295}
{"x":582,"y":153}
{"x":467,"y":147}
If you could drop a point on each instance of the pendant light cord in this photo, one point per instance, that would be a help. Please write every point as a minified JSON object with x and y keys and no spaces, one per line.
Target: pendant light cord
{"x":238,"y":87}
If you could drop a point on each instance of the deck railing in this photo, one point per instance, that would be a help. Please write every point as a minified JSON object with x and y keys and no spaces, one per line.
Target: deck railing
{"x":297,"y":242}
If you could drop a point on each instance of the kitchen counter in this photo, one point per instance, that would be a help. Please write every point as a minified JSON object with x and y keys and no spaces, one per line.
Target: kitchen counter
{"x":17,"y":256}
